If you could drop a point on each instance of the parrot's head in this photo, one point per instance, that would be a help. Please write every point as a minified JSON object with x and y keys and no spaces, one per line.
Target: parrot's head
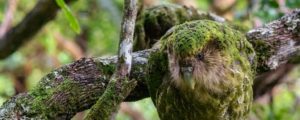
{"x":205,"y":54}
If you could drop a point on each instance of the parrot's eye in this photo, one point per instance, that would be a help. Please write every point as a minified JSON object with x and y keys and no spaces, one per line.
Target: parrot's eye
{"x":200,"y":56}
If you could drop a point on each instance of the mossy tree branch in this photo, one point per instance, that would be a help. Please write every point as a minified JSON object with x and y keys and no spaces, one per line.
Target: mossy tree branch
{"x":276,"y":44}
{"x":119,"y":85}
{"x":73,"y":88}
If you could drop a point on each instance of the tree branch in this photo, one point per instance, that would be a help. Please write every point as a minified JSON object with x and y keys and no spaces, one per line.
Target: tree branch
{"x":276,"y":44}
{"x":119,"y":85}
{"x":43,"y":12}
{"x":264,"y":83}
{"x":74,"y":88}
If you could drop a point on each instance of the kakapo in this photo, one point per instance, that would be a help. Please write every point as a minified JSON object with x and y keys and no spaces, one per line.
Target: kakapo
{"x":207,"y":73}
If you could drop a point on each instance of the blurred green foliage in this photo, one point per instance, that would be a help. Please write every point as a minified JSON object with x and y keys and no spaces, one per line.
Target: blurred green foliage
{"x":286,"y":101}
{"x":99,"y":21}
{"x":69,"y":15}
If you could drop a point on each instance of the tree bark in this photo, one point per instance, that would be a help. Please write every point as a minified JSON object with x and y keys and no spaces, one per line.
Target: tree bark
{"x":276,"y":44}
{"x":119,"y":85}
{"x":73,"y":88}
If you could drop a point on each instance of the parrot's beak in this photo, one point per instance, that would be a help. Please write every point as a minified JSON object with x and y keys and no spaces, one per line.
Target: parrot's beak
{"x":188,"y":76}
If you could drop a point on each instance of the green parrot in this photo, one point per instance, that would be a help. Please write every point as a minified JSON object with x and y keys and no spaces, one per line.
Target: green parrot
{"x":204,"y":71}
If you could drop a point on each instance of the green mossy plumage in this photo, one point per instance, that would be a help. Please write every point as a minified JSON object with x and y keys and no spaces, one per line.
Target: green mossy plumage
{"x":192,"y":36}
{"x":185,"y":40}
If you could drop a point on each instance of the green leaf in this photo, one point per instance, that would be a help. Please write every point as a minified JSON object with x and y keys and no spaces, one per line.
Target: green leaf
{"x":68,"y":14}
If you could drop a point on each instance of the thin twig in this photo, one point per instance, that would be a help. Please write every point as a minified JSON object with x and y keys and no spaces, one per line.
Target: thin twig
{"x":126,"y":38}
{"x":120,"y":85}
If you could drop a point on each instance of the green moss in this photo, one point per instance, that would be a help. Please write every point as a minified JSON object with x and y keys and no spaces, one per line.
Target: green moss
{"x":182,"y":15}
{"x":243,"y":26}
{"x":190,"y":37}
{"x":107,"y":69}
{"x":57,"y":95}
{"x":154,"y":22}
{"x":159,"y":19}
{"x":108,"y":100}
{"x":295,"y":60}
{"x":116,"y":91}
{"x":157,"y":68}
{"x":139,"y":36}
{"x":264,"y":50}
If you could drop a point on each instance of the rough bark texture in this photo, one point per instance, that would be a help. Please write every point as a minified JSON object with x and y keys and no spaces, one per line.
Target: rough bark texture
{"x":119,"y":86}
{"x":43,"y":12}
{"x":77,"y":86}
{"x":276,"y":44}
{"x":73,"y":88}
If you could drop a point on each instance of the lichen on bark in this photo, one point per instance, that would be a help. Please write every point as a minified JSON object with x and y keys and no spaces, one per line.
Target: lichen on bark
{"x":73,"y":88}
{"x":60,"y":93}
